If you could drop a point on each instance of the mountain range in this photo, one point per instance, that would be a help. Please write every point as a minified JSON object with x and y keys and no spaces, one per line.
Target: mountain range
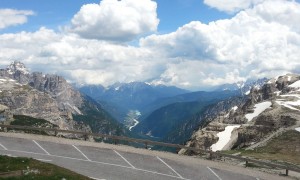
{"x":243,"y":86}
{"x":249,"y":111}
{"x":52,"y":98}
{"x":120,"y":98}
{"x":160,"y":112}
{"x":268,"y":112}
{"x":169,"y":113}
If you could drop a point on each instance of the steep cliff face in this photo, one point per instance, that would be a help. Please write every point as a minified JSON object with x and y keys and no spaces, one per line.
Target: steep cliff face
{"x":58,"y":88}
{"x":16,"y":71}
{"x":25,"y":100}
{"x":268,"y":109}
{"x":53,"y":85}
{"x":52,"y":98}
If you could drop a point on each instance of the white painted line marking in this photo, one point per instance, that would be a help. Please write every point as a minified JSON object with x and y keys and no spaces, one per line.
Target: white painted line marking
{"x":169,"y":167}
{"x":124,"y":159}
{"x":97,"y":162}
{"x":81,"y":152}
{"x":41,"y":147}
{"x":9,"y":155}
{"x":3,"y":147}
{"x":96,"y":178}
{"x":65,"y":157}
{"x":46,"y":160}
{"x":153,"y":172}
{"x":214,"y":173}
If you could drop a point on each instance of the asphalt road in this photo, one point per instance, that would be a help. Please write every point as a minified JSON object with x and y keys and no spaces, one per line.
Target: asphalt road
{"x":110,"y":164}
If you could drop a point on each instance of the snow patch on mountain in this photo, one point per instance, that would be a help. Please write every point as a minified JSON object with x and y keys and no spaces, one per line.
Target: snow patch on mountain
{"x":277,"y":93}
{"x":247,"y":93}
{"x":233,"y":109}
{"x":295,"y":84}
{"x":258,"y":109}
{"x":243,"y":86}
{"x":287,"y":105}
{"x":240,"y":84}
{"x":11,"y":81}
{"x":297,"y":129}
{"x":273,"y":80}
{"x":224,"y":137}
{"x":292,"y":101}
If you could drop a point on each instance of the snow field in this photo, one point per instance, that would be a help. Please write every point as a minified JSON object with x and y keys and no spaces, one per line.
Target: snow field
{"x":224,"y":137}
{"x":295,"y":84}
{"x":258,"y":109}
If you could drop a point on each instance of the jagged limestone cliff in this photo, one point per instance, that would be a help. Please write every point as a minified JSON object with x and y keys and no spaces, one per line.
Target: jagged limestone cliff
{"x":52,"y":98}
{"x":22,"y":94}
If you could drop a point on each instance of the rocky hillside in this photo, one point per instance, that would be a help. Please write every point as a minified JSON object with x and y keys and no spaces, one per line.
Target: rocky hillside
{"x":268,"y":111}
{"x":52,"y":98}
{"x":162,"y":121}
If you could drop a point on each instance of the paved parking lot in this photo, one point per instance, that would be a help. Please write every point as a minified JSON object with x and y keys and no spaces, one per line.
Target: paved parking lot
{"x":102,"y":163}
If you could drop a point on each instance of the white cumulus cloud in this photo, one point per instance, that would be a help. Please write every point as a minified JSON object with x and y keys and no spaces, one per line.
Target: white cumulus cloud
{"x":231,"y":6}
{"x":79,"y":60}
{"x":115,"y":20}
{"x":12,"y":17}
{"x":262,"y":41}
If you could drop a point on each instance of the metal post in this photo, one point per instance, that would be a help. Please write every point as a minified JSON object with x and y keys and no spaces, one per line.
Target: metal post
{"x":286,"y":172}
{"x":146,"y":145}
{"x":246,"y":163}
{"x":210,"y":155}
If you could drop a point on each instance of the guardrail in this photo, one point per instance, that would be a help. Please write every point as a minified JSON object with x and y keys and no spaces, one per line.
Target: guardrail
{"x":148,"y":142}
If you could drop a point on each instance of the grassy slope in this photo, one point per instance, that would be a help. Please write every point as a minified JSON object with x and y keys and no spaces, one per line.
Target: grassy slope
{"x":30,"y":121}
{"x":22,"y":120}
{"x":45,"y":170}
{"x":282,"y":148}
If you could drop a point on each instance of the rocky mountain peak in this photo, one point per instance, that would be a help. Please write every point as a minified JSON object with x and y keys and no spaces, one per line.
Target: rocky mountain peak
{"x":51,"y":98}
{"x":243,"y":86}
{"x":57,"y":87}
{"x":274,"y":87}
{"x":17,"y":67}
{"x":17,"y":71}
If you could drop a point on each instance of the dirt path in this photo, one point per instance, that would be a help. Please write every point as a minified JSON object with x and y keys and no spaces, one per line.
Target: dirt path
{"x":273,"y":135}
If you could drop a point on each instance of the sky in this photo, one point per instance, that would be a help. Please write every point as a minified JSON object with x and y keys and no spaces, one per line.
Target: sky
{"x":192,"y":44}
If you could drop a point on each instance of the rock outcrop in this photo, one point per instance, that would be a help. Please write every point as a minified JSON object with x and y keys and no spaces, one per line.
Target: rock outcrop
{"x":22,"y":98}
{"x":58,"y":88}
{"x":52,"y":98}
{"x":268,"y":109}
